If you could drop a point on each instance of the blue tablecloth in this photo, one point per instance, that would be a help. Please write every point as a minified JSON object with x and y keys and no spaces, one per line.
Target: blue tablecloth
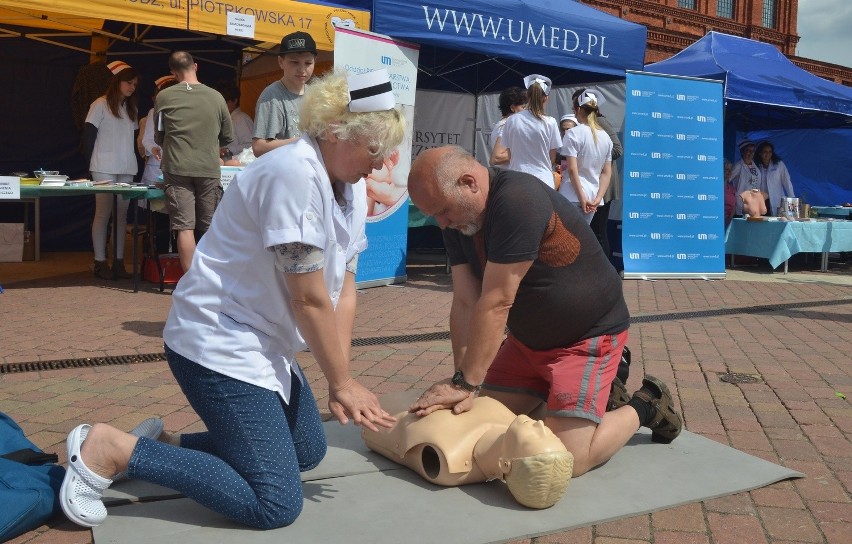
{"x":779,"y":240}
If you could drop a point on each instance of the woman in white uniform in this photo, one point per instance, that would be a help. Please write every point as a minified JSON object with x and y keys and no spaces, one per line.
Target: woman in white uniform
{"x":109,"y":135}
{"x":532,"y":137}
{"x":588,"y":151}
{"x":775,"y":177}
{"x":273,"y":275}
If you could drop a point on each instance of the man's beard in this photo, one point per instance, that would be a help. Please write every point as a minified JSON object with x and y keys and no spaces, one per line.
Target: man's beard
{"x":468,"y":229}
{"x":472,"y":225}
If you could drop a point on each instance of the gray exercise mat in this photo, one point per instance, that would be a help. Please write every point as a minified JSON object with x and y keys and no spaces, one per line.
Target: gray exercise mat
{"x":369,"y":504}
{"x":347,"y":455}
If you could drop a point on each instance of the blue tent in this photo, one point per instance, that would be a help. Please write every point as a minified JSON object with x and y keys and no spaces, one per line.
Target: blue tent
{"x":808,"y":119}
{"x":763,"y":89}
{"x":484,"y":45}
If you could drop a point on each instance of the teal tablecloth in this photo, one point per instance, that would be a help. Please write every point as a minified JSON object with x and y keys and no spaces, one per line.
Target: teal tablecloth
{"x":838,"y":212}
{"x":779,"y":240}
{"x":39,"y":191}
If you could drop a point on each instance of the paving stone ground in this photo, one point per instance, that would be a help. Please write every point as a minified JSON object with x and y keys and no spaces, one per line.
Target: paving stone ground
{"x":792,"y":333}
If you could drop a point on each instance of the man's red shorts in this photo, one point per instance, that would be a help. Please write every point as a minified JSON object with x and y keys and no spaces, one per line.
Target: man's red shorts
{"x":574,"y":380}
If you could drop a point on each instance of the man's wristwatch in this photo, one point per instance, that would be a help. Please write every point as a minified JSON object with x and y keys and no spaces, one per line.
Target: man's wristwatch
{"x":459,"y":381}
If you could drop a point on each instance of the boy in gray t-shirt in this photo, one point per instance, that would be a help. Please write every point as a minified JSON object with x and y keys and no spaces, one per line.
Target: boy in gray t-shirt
{"x":276,"y":115}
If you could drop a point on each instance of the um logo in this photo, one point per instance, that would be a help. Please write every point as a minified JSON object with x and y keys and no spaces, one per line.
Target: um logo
{"x":655,"y":195}
{"x":680,"y":216}
{"x":655,"y":155}
{"x":634,"y":256}
{"x":681,"y":136}
{"x":681,"y":97}
{"x":634,"y":215}
{"x":702,"y":236}
{"x":681,"y":256}
{"x":634,"y":174}
{"x":636,"y":92}
{"x":656,"y":236}
{"x":702,"y":197}
{"x":635,"y":134}
{"x":702,"y":157}
{"x":701,"y":118}
{"x":386,"y":60}
{"x":656,"y":115}
{"x":680,"y":176}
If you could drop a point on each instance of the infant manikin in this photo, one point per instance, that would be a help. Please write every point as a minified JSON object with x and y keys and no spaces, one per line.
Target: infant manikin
{"x":486,"y":443}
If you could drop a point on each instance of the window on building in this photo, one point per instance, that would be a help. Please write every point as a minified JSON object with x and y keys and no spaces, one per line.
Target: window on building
{"x":688,"y":4}
{"x":769,"y":13}
{"x":725,"y":8}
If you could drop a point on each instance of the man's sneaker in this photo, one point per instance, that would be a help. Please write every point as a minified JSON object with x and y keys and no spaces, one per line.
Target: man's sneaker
{"x":666,"y":424}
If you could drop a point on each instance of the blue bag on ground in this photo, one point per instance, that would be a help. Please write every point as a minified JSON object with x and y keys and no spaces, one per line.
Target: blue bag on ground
{"x":29,"y":482}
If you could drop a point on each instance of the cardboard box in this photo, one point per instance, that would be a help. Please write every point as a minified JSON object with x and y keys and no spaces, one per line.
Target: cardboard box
{"x":11,"y":242}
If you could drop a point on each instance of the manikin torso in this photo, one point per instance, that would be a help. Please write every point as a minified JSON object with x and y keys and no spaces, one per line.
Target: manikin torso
{"x":482,"y":444}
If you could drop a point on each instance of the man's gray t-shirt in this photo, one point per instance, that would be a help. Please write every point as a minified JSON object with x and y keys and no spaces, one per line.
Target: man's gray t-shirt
{"x":276,"y":115}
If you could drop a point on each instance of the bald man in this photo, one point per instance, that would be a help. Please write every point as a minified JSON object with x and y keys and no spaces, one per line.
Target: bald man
{"x":522,"y":256}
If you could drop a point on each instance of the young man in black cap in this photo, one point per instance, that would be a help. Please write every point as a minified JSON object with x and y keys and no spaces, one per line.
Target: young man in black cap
{"x":276,"y":115}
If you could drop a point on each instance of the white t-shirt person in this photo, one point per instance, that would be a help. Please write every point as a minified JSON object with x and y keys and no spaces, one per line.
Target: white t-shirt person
{"x":591,"y":157}
{"x":530,"y":141}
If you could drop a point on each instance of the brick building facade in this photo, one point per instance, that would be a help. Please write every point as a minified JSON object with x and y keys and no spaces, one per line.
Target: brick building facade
{"x":673,"y":25}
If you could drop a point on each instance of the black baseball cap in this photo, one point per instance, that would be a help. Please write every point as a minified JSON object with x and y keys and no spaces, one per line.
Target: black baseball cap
{"x":297,"y":42}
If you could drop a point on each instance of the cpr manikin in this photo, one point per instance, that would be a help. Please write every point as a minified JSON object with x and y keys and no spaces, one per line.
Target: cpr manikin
{"x":486,"y":443}
{"x":754,"y":202}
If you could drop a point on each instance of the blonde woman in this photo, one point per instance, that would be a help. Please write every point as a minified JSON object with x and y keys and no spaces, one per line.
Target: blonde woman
{"x":273,"y":275}
{"x":588,"y":151}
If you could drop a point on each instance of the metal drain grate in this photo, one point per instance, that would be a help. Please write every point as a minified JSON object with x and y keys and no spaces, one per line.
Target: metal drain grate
{"x":401,"y":339}
{"x":733,"y":377}
{"x":35,"y":366}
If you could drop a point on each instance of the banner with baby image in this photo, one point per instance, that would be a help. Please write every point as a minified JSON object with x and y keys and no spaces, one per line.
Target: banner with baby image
{"x":358,"y":52}
{"x":673,"y":224}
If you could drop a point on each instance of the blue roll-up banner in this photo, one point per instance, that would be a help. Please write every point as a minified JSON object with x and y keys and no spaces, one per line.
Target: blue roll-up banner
{"x":673,"y":216}
{"x":358,"y":51}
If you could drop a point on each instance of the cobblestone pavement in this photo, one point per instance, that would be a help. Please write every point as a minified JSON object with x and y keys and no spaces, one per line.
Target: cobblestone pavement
{"x":791,"y":333}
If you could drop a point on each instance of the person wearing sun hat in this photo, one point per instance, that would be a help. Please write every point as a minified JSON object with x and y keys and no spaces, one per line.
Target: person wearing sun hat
{"x":276,"y":114}
{"x":274,"y":275}
{"x":531,"y":136}
{"x":108,"y":142}
{"x":745,"y":175}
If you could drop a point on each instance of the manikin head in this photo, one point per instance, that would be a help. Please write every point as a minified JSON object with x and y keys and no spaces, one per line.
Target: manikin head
{"x":536,"y":465}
